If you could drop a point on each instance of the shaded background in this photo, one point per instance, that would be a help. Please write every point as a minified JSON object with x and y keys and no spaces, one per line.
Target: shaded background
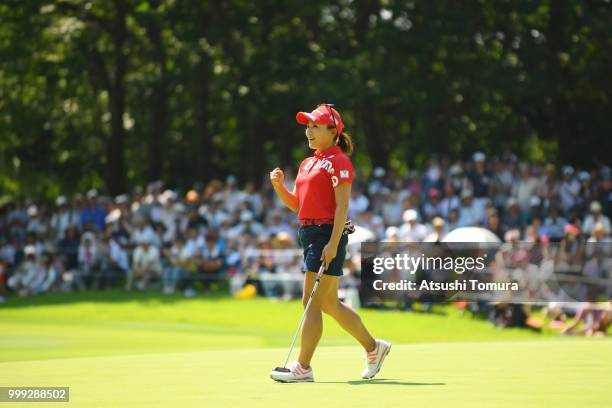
{"x":113,"y":94}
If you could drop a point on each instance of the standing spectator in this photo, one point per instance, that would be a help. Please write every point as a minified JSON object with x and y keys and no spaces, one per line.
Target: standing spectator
{"x":569,"y":189}
{"x":503,"y":180}
{"x":512,"y":218}
{"x":63,"y":217}
{"x":480,"y":177}
{"x":527,"y":187}
{"x":471,"y":213}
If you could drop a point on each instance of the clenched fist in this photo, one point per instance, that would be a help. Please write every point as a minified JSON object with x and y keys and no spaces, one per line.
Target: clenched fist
{"x":277,"y":177}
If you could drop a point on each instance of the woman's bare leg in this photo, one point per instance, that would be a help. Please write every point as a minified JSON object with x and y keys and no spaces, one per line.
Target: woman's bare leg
{"x":347,"y":317}
{"x":313,"y":322}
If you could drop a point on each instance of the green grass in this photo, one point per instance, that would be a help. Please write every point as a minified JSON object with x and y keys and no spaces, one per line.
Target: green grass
{"x":112,"y":323}
{"x":148,"y":350}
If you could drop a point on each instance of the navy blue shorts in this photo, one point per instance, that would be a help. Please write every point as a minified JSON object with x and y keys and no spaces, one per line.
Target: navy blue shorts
{"x":313,"y":238}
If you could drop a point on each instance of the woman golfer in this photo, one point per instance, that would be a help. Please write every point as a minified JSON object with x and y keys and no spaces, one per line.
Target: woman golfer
{"x":321,"y":200}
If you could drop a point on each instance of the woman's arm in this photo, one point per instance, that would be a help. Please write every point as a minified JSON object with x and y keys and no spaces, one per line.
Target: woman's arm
{"x":342,"y":193}
{"x":277,"y":177}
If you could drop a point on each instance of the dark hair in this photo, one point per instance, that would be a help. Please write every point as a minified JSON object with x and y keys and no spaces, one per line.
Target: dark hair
{"x":345,"y":143}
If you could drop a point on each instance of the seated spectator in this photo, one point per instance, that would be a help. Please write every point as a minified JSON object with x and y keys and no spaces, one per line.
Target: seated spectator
{"x":595,"y":217}
{"x":143,"y":232}
{"x":111,"y":260}
{"x":146,"y":265}
{"x":182,"y":261}
{"x":358,"y":203}
{"x":449,"y":202}
{"x":438,"y":231}
{"x":512,"y":217}
{"x":89,"y":258}
{"x":25,"y":274}
{"x":432,"y":208}
{"x":494,"y":224}
{"x":599,"y":266}
{"x":596,"y":320}
{"x":212,"y":259}
{"x":411,"y":230}
{"x":47,"y":275}
{"x":554,"y":225}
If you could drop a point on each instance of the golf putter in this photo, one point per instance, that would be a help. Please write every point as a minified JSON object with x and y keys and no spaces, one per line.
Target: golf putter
{"x":314,"y":288}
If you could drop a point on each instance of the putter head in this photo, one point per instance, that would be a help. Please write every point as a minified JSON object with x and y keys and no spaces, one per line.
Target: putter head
{"x":282,"y":369}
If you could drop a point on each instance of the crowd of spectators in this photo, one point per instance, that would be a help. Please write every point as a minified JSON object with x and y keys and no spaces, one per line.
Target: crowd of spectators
{"x":191,"y":240}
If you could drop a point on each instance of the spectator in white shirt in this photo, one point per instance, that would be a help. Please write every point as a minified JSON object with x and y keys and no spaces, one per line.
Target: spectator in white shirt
{"x":470,"y":213}
{"x":569,"y":189}
{"x":411,"y":230}
{"x":143,"y":232}
{"x":146,"y":265}
{"x":358,"y":203}
{"x":595,"y":217}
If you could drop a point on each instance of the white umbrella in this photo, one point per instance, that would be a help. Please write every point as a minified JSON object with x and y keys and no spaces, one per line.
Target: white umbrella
{"x":360,"y":235}
{"x":471,"y":234}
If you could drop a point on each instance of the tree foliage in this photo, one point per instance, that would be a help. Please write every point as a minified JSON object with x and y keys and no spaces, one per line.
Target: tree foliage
{"x":111,"y":94}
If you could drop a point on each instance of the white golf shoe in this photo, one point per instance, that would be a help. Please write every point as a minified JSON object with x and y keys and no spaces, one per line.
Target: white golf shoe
{"x":295,"y":374}
{"x":375,"y":358}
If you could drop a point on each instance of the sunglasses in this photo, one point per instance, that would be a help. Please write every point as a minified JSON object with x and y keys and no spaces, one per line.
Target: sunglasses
{"x":331,"y":112}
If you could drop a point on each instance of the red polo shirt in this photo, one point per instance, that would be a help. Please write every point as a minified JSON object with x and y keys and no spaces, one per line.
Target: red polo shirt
{"x":315,"y":182}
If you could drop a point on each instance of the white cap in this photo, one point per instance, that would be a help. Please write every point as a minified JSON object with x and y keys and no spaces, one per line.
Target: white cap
{"x":246,"y":215}
{"x":455,"y":169}
{"x":32,"y":211}
{"x":61,"y":200}
{"x":379,"y":172}
{"x":534,"y":201}
{"x":584,"y":176}
{"x":29,"y":250}
{"x":466,"y":192}
{"x":595,"y":206}
{"x":567,"y":170}
{"x":410,"y":215}
{"x":511,"y":202}
{"x":479,"y":156}
{"x":391,"y":231}
{"x":113,"y":216}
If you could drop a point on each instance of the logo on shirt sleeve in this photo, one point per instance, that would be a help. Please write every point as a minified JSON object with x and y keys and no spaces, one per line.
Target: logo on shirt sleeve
{"x":344,"y":173}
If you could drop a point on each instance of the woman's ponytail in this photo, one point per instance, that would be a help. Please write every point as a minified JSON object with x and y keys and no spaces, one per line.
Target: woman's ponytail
{"x":345,"y":142}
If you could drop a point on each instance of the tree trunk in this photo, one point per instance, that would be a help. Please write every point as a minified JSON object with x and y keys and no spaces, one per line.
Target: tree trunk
{"x":115,"y":148}
{"x":159,"y":105}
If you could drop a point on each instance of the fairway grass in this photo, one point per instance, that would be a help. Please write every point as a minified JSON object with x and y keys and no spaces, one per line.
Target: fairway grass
{"x":116,"y":323}
{"x":484,"y":374}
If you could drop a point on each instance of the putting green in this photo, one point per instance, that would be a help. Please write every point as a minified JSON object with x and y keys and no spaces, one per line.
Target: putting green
{"x":549,"y":373}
